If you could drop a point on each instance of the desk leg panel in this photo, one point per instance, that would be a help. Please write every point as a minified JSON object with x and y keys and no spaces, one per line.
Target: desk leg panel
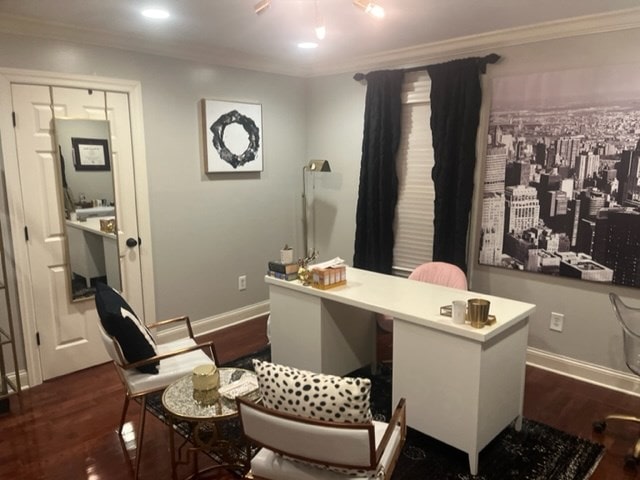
{"x":295,"y":329}
{"x":438,"y":375}
{"x":319,"y":335}
{"x":502,"y":382}
{"x":459,"y":391}
{"x":112,"y":262}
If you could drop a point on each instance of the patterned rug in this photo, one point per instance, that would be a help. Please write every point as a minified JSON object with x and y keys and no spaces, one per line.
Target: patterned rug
{"x":537,"y":452}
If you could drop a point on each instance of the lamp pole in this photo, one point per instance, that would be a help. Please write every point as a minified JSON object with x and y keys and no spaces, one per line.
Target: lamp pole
{"x":312,"y":166}
{"x":305,"y":227}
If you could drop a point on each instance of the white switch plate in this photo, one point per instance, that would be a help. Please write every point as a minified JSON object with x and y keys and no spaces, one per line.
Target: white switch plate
{"x":557,"y":321}
{"x":242,"y":282}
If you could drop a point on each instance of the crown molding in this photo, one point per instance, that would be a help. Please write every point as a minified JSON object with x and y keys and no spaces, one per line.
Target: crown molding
{"x":404,"y":57}
{"x":24,"y":26}
{"x":438,"y":51}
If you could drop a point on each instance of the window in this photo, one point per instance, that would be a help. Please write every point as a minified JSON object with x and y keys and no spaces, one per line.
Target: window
{"x":414,"y":211}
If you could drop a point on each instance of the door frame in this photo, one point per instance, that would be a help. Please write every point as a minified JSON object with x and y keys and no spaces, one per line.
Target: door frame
{"x":15,"y":204}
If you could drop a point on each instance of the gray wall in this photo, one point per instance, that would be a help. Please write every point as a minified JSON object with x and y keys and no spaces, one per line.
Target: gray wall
{"x":336,"y":108}
{"x":207,"y":229}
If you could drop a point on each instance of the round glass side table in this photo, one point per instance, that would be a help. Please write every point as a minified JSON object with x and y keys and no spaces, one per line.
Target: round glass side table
{"x":204,"y":422}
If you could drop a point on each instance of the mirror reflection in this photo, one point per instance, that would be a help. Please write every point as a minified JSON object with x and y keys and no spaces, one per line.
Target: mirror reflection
{"x":86,"y":179}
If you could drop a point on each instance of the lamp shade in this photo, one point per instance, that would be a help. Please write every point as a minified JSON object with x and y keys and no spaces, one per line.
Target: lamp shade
{"x":319,"y":166}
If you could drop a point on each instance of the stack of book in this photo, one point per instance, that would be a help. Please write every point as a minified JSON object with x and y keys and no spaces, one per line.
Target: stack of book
{"x":284,"y":271}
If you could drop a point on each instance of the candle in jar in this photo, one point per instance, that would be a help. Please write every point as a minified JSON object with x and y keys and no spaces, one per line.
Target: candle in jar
{"x":205,"y":377}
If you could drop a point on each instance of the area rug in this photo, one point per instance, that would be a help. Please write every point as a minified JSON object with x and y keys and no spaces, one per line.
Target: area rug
{"x":537,"y":452}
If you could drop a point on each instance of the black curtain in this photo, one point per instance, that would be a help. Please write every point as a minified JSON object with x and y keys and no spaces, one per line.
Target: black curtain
{"x":378,"y":190}
{"x":456,"y":97}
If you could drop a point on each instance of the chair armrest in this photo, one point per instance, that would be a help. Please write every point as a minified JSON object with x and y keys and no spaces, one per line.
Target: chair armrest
{"x":182,"y":318}
{"x":173,"y":353}
{"x":399,"y":417}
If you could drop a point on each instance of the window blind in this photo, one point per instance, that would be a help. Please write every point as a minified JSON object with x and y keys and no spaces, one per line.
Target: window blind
{"x":413,"y":225}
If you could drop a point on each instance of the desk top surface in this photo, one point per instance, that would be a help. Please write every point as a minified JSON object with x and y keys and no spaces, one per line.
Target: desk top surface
{"x":415,"y":302}
{"x":92,"y":225}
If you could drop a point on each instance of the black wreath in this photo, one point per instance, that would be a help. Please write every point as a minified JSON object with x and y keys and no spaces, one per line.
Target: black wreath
{"x":218,"y":127}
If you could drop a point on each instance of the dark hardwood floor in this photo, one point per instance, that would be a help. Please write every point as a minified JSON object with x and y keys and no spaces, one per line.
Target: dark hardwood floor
{"x":65,"y":428}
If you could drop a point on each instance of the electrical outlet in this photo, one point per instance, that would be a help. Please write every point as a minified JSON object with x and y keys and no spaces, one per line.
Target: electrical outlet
{"x":557,"y":321}
{"x":242,"y":282}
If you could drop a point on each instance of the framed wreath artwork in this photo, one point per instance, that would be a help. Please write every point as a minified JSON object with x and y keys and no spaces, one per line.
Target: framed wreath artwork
{"x":234,"y":136}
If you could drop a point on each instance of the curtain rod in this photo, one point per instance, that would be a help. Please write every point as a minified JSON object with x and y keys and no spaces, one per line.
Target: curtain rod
{"x":482,"y":64}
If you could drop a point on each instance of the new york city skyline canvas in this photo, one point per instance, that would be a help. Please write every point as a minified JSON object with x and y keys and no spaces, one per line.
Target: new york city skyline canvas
{"x":562,"y":175}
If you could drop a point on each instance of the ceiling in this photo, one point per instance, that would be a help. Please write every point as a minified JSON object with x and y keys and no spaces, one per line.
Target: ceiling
{"x":228,"y":32}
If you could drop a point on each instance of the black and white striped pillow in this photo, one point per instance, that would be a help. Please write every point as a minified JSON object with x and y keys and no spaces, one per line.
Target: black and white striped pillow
{"x":119,"y":321}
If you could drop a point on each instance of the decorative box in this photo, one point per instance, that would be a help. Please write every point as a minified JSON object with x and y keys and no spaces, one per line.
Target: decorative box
{"x":108,"y":225}
{"x":324,"y":278}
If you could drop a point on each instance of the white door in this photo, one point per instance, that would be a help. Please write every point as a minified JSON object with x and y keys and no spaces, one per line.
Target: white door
{"x":68,"y":334}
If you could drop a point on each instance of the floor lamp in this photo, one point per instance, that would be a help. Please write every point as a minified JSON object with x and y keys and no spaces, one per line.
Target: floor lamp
{"x":313,"y":166}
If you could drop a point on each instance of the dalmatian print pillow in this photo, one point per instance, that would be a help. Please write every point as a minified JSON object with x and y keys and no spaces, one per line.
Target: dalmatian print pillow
{"x":313,"y":395}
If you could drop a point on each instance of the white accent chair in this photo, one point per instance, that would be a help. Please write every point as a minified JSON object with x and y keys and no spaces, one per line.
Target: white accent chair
{"x":372,"y":447}
{"x":177,"y":359}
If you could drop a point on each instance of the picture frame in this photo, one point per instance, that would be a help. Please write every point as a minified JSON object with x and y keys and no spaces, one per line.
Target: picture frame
{"x":561,"y":190}
{"x":233,"y":133}
{"x":91,"y":154}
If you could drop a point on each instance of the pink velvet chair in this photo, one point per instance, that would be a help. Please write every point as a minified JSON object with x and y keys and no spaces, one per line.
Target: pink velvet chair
{"x":439,"y":273}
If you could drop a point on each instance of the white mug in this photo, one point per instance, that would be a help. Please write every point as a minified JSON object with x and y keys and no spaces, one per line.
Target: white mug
{"x":458,"y":311}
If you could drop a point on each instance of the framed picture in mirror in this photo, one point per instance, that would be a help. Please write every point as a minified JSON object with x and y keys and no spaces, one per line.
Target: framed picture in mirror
{"x":90,"y":154}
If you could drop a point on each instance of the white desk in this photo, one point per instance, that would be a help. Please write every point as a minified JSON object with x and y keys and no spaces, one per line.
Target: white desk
{"x":93,"y":253}
{"x":463,"y":385}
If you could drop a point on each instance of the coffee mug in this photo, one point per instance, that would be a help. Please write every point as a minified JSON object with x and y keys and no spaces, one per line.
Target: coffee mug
{"x":458,"y":311}
{"x":478,"y":311}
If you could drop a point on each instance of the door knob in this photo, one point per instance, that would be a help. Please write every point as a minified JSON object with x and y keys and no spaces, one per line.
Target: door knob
{"x":131,"y":242}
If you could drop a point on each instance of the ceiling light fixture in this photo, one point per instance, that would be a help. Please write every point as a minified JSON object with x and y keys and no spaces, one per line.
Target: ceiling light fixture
{"x":370,"y":8}
{"x":261,"y":6}
{"x":155,"y":13}
{"x":321,"y":29}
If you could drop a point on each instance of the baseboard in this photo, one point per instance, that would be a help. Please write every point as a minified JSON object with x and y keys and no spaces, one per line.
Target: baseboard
{"x":223,"y":320}
{"x":584,"y":371}
{"x":24,"y":379}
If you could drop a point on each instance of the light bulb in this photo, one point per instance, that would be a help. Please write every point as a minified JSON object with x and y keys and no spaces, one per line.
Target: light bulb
{"x":370,"y":8}
{"x":261,"y":6}
{"x":375,"y":10}
{"x":155,"y":13}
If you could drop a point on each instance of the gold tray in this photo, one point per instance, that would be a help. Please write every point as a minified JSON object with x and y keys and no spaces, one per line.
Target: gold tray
{"x":445,"y":311}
